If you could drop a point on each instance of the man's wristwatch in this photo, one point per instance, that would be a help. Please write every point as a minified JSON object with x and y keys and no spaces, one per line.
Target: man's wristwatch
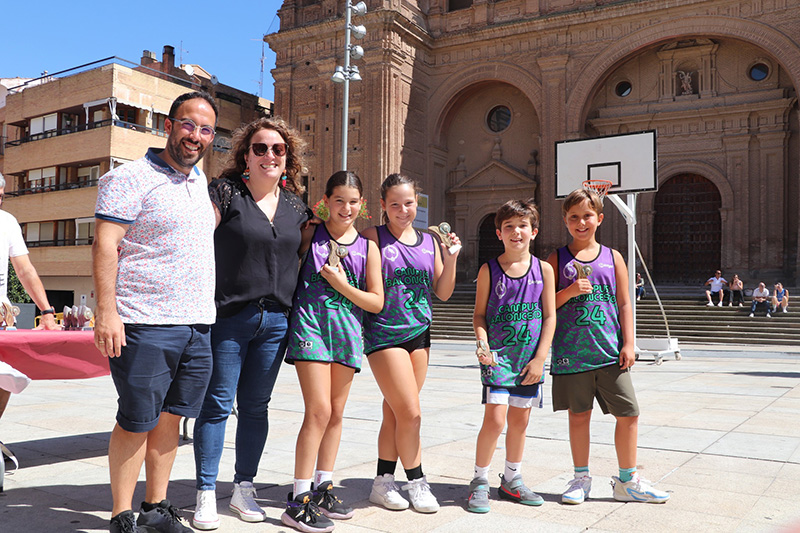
{"x":50,"y":311}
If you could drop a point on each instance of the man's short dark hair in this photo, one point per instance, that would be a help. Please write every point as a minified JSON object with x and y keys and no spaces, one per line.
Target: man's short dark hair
{"x":191,"y":96}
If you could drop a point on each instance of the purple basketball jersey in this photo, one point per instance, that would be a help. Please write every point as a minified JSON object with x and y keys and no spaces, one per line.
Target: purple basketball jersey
{"x":407,"y":280}
{"x":514,"y":321}
{"x":588,"y":334}
{"x":324,"y":325}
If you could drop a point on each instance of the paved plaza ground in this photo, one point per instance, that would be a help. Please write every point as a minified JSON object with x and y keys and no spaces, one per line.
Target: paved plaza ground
{"x":719,"y":430}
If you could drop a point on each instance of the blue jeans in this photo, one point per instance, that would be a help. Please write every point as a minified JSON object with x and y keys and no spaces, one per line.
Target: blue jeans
{"x":248,"y":351}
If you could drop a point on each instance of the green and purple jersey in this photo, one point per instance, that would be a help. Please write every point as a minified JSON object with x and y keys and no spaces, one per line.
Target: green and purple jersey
{"x":324,"y":325}
{"x":407,"y":280}
{"x":588,"y":334}
{"x":514,"y":322}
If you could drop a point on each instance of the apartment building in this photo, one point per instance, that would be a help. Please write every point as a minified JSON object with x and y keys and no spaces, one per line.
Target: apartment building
{"x":63,"y":131}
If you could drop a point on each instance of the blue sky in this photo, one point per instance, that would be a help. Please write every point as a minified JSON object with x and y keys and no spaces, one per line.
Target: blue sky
{"x":222,"y":37}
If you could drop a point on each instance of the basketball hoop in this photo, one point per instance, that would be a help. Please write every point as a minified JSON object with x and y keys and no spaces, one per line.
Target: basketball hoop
{"x":599,"y":187}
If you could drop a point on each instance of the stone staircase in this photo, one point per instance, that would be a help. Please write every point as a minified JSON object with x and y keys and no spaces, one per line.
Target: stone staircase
{"x":690,"y":320}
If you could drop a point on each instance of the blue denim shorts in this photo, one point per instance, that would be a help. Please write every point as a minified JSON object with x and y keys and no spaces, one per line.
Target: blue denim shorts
{"x":161,"y":369}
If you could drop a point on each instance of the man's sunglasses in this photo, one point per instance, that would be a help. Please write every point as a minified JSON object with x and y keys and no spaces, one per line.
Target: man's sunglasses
{"x":259,"y":149}
{"x":189,"y":127}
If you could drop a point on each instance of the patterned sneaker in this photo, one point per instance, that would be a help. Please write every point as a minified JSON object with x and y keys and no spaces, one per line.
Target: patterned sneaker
{"x":205,"y":512}
{"x":329,"y":504}
{"x":419,"y":492}
{"x":244,"y":504}
{"x":163,"y":518}
{"x":385,"y":492}
{"x":637,"y":490}
{"x":478,"y":495}
{"x":578,"y":490}
{"x":516,"y":491}
{"x":304,"y":515}
{"x":124,"y":522}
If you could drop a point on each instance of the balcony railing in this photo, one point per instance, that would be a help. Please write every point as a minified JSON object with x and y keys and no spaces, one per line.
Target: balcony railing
{"x":60,"y":242}
{"x":85,"y":127}
{"x":54,"y":187}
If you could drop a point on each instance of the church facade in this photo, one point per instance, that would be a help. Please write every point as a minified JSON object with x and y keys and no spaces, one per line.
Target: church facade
{"x":469,"y":97}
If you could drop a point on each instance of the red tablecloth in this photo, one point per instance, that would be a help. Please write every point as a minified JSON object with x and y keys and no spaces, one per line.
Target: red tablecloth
{"x":53,"y":354}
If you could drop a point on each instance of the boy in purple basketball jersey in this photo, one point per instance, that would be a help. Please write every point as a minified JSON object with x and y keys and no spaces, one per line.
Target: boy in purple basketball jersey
{"x":514,"y":321}
{"x":593,"y":349}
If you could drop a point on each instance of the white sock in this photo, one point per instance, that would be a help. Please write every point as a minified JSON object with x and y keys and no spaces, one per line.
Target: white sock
{"x":301,"y":486}
{"x":321,"y":476}
{"x":482,"y":471}
{"x":512,"y":470}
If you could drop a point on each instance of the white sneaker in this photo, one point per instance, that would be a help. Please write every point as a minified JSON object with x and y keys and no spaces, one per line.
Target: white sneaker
{"x":710,"y":304}
{"x":785,"y":310}
{"x":578,"y":490}
{"x":385,"y":492}
{"x":751,"y":315}
{"x":730,"y":304}
{"x":419,"y":492}
{"x":205,"y":512}
{"x":637,"y":490}
{"x":244,"y":504}
{"x":719,"y":304}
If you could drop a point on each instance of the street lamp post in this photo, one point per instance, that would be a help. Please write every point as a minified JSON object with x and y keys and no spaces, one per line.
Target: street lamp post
{"x":349,"y":72}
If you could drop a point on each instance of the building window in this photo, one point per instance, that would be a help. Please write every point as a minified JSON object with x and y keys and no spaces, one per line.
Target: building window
{"x":759,"y":72}
{"x":499,"y":118}
{"x":455,"y":5}
{"x":623,"y":89}
{"x":84,"y":231}
{"x":88,"y":175}
{"x":159,"y":121}
{"x":40,"y":126}
{"x":42,"y":177}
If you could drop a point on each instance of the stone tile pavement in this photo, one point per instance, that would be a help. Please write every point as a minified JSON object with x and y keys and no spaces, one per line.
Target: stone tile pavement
{"x":719,"y":430}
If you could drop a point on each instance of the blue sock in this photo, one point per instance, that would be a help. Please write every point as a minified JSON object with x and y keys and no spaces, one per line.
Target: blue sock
{"x":626,"y":474}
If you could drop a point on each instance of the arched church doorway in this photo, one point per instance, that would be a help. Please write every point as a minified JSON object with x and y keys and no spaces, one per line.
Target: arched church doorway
{"x":489,"y":246}
{"x":687,"y":230}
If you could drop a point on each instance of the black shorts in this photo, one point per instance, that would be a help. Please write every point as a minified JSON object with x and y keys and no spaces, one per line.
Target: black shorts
{"x":421,"y":341}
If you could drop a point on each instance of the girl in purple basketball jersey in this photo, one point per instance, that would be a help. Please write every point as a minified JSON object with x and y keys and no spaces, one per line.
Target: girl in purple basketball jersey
{"x":397,"y":340}
{"x":325,"y":347}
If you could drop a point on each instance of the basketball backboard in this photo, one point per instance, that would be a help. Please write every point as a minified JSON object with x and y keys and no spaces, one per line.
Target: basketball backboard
{"x":627,"y":160}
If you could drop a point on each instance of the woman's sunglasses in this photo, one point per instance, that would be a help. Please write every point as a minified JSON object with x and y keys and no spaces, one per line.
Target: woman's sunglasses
{"x":260,"y":149}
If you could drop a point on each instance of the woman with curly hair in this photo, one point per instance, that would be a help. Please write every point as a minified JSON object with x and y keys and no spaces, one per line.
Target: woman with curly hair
{"x":260,"y":219}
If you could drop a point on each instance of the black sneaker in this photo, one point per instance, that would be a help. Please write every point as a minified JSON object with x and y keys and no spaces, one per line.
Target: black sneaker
{"x":163,"y":518}
{"x":304,"y":515}
{"x":124,"y":522}
{"x":329,"y":504}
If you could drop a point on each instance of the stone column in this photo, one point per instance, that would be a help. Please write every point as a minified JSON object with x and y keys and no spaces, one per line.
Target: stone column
{"x":553,"y":128}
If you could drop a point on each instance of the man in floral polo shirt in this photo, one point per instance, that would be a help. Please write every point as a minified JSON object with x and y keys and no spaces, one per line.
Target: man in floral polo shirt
{"x":153,"y":266}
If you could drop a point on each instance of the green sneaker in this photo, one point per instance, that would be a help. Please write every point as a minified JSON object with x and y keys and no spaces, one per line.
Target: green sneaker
{"x":478,"y":495}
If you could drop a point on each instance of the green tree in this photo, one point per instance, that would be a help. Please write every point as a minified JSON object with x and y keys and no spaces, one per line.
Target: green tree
{"x":16,"y":292}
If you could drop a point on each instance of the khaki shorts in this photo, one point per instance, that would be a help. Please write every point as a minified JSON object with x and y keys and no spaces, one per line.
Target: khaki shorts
{"x":611,"y":386}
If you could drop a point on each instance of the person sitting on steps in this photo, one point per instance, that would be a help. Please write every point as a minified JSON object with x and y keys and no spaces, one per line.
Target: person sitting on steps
{"x":760,"y":296}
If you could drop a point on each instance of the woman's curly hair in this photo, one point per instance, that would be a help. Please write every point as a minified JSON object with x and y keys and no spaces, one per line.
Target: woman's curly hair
{"x":294,"y":153}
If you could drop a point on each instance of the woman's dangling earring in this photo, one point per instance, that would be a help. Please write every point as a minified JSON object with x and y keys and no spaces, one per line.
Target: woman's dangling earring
{"x":283,"y":180}
{"x":246,"y":174}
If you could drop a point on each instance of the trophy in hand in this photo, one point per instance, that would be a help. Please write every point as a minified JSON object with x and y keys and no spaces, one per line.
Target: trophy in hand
{"x":337,"y":253}
{"x":8,"y":315}
{"x":483,"y":349}
{"x":443,"y":232}
{"x":583,"y":270}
